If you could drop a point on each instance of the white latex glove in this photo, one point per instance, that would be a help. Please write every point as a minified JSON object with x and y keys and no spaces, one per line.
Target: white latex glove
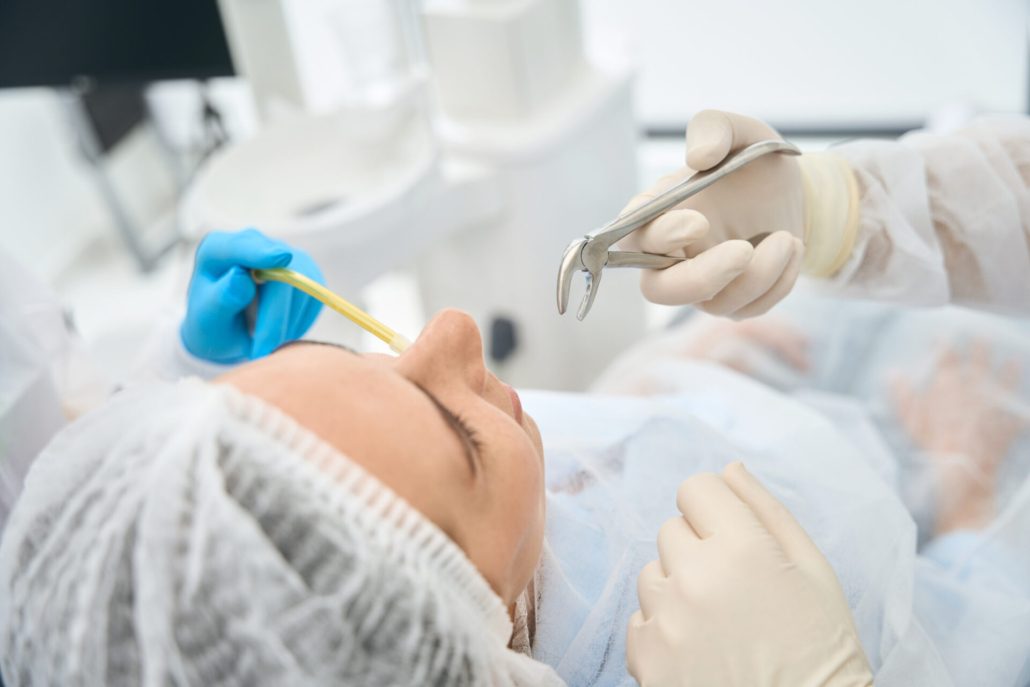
{"x":740,"y":597}
{"x":808,"y":203}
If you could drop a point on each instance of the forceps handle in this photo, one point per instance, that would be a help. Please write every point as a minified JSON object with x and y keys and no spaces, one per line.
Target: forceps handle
{"x":626,"y":224}
{"x":653,"y":261}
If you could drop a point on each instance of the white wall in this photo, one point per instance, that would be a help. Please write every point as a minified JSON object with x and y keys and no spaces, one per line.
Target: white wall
{"x":820,"y":61}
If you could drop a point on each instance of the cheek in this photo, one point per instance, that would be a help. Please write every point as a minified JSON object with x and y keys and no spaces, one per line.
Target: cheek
{"x":523,"y":479}
{"x":508,"y":521}
{"x":530,"y":427}
{"x":522,"y":495}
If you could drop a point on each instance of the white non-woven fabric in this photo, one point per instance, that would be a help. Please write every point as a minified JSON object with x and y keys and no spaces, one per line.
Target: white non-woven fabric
{"x":613,"y":466}
{"x":943,"y":218}
{"x":43,"y":378}
{"x":47,"y":378}
{"x":190,"y":534}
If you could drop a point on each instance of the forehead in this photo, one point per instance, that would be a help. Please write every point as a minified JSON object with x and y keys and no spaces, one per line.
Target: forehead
{"x":313,"y":382}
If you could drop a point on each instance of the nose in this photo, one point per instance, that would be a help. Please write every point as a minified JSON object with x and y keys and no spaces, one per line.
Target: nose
{"x":449,"y":348}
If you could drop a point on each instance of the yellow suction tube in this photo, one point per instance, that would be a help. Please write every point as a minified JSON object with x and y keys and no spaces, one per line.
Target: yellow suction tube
{"x":395,"y":341}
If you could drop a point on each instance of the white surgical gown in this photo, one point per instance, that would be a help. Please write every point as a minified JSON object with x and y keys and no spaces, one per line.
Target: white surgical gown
{"x":943,"y":218}
{"x":47,"y":378}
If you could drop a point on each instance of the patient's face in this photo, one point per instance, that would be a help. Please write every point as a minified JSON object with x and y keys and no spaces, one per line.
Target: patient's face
{"x":435,"y":426}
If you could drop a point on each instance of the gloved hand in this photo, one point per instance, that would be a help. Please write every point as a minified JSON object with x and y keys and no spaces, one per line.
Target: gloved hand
{"x":769,"y":349}
{"x":216,"y":326}
{"x":807,"y":203}
{"x":965,"y":419}
{"x":740,"y":597}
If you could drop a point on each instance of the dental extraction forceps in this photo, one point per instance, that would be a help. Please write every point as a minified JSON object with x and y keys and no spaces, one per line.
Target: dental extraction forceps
{"x":592,"y":253}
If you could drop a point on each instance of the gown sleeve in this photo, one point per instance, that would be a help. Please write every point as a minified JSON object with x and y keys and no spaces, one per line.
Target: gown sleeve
{"x":943,"y":218}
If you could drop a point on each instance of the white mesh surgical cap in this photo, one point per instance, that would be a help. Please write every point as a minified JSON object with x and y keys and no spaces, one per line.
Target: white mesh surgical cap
{"x":189,"y":534}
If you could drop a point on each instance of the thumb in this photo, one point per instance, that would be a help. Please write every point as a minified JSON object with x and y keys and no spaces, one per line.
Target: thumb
{"x":225,"y":298}
{"x":272,"y":325}
{"x":712,"y":135}
{"x":214,"y":323}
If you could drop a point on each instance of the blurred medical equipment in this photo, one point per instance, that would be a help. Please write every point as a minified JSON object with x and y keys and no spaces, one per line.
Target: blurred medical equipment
{"x":230,"y":319}
{"x":304,"y":57}
{"x":593,"y":253}
{"x":110,"y":41}
{"x":397,"y":342}
{"x":738,"y":575}
{"x":222,"y":541}
{"x":109,"y":51}
{"x":465,"y":140}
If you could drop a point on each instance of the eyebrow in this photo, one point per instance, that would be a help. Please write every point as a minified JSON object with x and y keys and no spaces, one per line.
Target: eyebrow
{"x":456,"y":426}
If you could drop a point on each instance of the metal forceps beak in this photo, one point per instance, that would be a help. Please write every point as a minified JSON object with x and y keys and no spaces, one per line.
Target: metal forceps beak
{"x":580,"y":256}
{"x":592,"y":253}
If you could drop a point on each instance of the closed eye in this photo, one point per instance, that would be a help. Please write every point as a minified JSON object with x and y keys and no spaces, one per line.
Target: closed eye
{"x":466,"y":434}
{"x":470,"y":432}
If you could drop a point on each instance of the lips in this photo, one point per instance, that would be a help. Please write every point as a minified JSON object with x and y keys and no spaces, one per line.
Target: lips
{"x":516,"y":403}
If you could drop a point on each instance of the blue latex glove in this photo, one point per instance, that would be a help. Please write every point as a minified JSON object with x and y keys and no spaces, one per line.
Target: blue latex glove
{"x":216,"y":325}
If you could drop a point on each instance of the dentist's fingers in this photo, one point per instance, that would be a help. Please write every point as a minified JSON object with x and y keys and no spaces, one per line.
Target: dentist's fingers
{"x":1011,"y":376}
{"x":698,"y":279}
{"x":664,"y":183}
{"x":677,"y":548}
{"x":640,"y":636}
{"x":631,"y":242}
{"x":767,"y":265}
{"x":903,"y":394}
{"x":230,"y":295}
{"x":670,"y":234}
{"x":712,"y":509}
{"x":650,"y":585}
{"x":780,"y":289}
{"x":980,"y":358}
{"x":272,"y":326}
{"x":775,"y":517}
{"x":783,"y":339}
{"x":712,"y":135}
{"x":219,"y":251}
